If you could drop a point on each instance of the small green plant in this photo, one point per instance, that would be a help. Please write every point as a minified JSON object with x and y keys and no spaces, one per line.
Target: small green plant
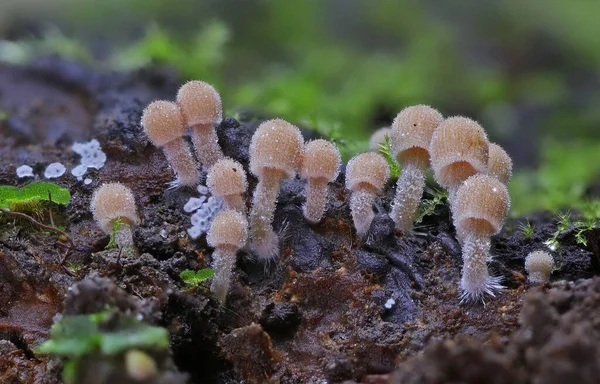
{"x":587,"y":222}
{"x":194,"y":278}
{"x":117,"y":225}
{"x":386,"y":150}
{"x":74,"y":337}
{"x":31,"y":195}
{"x":428,"y":206}
{"x":526,"y":229}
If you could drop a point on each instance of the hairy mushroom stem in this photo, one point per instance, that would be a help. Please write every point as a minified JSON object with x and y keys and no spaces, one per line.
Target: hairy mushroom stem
{"x":179,"y":156}
{"x":361,"y":205}
{"x":206,"y":143}
{"x":409,"y":191}
{"x":124,"y":239}
{"x":475,"y":280}
{"x":224,"y":260}
{"x":316,"y":199}
{"x":263,"y":238}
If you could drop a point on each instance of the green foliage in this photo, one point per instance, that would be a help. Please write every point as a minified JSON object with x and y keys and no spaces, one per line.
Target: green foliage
{"x":117,"y":225}
{"x":13,"y":197}
{"x":386,"y":150}
{"x":566,"y":170}
{"x":194,"y":278}
{"x":428,"y":206}
{"x":76,"y":336}
{"x":587,"y":221}
{"x":526,"y":229}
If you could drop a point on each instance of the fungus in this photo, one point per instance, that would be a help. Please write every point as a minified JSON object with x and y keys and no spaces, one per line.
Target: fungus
{"x":139,"y":365}
{"x":499,"y":163}
{"x":378,"y":138}
{"x":366,"y":174}
{"x":228,"y":233}
{"x":227,"y":180}
{"x":539,"y":266}
{"x":482,"y":203}
{"x":410,"y":138}
{"x":112,"y":202}
{"x":275,"y":154}
{"x":458,"y":150}
{"x":163,"y":124}
{"x":201,"y":107}
{"x":320,"y":165}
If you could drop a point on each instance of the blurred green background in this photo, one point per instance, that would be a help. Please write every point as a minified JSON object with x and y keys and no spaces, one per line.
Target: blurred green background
{"x":528,"y":71}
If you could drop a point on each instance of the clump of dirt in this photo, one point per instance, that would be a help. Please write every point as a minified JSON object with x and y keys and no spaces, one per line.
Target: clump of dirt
{"x":333,"y":307}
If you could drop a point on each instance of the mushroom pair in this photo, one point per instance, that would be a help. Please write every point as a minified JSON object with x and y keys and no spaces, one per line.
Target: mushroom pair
{"x":199,"y":107}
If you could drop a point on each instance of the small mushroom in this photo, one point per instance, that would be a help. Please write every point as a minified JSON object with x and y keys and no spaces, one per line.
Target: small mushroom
{"x":320,"y":166}
{"x":539,"y":265}
{"x":227,"y":179}
{"x":201,"y":107}
{"x":164,"y":126}
{"x":366,"y":175}
{"x":228,"y":234}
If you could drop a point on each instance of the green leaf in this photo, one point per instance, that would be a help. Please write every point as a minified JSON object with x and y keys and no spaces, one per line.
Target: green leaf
{"x":137,"y":336}
{"x":33,"y":192}
{"x":194,"y":278}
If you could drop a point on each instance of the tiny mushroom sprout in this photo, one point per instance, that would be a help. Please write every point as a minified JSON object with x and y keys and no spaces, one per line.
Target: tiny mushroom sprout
{"x":164,"y":126}
{"x":320,"y":165}
{"x":366,"y":175}
{"x":227,"y":180}
{"x":228,"y":234}
{"x":499,"y":164}
{"x":275,"y":154}
{"x":112,"y":202}
{"x":201,"y":107}
{"x":410,"y":138}
{"x":482,"y":203}
{"x":539,"y":265}
{"x":378,"y":138}
{"x":458,"y":150}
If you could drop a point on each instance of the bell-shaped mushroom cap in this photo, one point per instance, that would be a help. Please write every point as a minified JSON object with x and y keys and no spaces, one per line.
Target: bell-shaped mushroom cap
{"x":367,"y":169}
{"x":276,"y":145}
{"x":112,"y":201}
{"x":540,"y":262}
{"x":227,"y":177}
{"x":200,"y":103}
{"x":499,"y":164}
{"x":228,"y":229}
{"x":411,"y":133}
{"x":482,"y":204}
{"x":459,"y":149}
{"x":378,"y":138}
{"x":162,"y":121}
{"x":321,"y":160}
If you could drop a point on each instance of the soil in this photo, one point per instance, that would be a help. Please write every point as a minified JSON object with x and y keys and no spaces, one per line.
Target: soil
{"x":320,"y":313}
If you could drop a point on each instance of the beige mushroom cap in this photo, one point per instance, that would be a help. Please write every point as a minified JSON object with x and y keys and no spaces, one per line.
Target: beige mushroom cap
{"x":482,"y":204}
{"x":411,"y":134}
{"x":539,"y":262}
{"x":321,"y":159}
{"x":276,"y":145}
{"x":368,"y":169}
{"x":499,"y":163}
{"x":200,"y":103}
{"x":378,"y":138}
{"x":228,"y":229}
{"x":112,"y":201}
{"x":162,"y":121}
{"x":227,"y":177}
{"x":459,"y":149}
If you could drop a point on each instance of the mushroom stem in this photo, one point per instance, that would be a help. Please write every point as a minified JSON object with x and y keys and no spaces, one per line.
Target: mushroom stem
{"x":475,"y":281}
{"x":316,"y":198}
{"x":236,"y":202}
{"x":409,"y":191}
{"x":206,"y":143}
{"x":263,"y":239}
{"x":179,"y":156}
{"x":124,"y":240}
{"x":361,"y":205}
{"x":224,"y":259}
